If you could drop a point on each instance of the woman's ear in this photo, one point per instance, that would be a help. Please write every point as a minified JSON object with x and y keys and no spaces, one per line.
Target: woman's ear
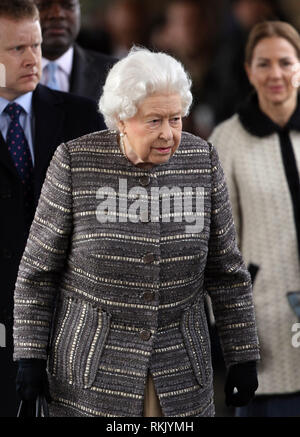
{"x":121,"y":126}
{"x":248,"y":72}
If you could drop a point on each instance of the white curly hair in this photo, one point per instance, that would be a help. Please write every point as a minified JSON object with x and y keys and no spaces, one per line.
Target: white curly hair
{"x":140,"y":74}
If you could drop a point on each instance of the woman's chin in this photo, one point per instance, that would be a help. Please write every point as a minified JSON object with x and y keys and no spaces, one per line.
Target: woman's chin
{"x":161,"y":159}
{"x":277,"y":98}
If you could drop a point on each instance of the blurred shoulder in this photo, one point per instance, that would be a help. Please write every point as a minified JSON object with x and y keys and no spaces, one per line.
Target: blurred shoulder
{"x":228,"y":133}
{"x":227,"y":126}
{"x":94,"y":57}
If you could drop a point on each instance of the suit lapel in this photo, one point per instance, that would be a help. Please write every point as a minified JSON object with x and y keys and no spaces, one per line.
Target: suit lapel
{"x":49,"y":120}
{"x":5,"y":158}
{"x":84,"y":75}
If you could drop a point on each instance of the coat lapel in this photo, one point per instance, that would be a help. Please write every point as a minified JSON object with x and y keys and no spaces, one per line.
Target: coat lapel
{"x":84,"y":75}
{"x":49,"y":121}
{"x":5,"y":158}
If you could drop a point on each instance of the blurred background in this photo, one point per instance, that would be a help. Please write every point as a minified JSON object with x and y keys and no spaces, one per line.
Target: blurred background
{"x":208,"y":37}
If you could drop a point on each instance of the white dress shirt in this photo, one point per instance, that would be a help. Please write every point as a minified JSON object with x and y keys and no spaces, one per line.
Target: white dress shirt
{"x":64,"y":63}
{"x":26,"y":119}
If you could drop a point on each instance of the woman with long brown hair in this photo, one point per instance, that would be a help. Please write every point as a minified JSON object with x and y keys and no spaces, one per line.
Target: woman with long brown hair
{"x":259,"y":148}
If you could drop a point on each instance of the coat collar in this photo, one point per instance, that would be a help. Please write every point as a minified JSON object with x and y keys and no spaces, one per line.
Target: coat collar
{"x":83,"y":72}
{"x":49,"y":119}
{"x":259,"y":124}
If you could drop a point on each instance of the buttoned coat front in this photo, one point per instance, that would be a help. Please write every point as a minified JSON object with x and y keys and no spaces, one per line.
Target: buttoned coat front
{"x":107,"y":298}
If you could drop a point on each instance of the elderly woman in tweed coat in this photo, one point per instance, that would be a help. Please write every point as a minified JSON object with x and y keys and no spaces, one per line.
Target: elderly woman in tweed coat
{"x":111,"y":288}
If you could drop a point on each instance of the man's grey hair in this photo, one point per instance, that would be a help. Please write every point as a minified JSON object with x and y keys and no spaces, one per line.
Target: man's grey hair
{"x":140,"y":74}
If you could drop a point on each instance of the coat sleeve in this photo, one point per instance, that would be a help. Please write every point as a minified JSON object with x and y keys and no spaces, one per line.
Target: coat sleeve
{"x":223,"y":141}
{"x":227,"y":280}
{"x":43,"y":261}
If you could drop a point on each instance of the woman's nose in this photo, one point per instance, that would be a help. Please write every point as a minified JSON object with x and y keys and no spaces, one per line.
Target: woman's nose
{"x":275,"y":71}
{"x":166,"y":131}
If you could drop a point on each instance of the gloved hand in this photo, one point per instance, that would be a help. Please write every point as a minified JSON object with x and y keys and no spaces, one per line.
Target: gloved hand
{"x":243,"y":377}
{"x":32,"y":380}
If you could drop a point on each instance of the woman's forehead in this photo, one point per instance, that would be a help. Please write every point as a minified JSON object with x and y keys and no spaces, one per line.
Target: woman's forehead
{"x":278,"y":46}
{"x":161,"y":103}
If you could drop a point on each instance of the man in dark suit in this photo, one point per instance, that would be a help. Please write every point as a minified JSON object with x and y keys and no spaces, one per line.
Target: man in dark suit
{"x":34,"y":120}
{"x":67,"y":66}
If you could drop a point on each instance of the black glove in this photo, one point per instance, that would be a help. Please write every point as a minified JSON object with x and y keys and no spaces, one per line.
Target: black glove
{"x":32,"y":380}
{"x":243,"y":377}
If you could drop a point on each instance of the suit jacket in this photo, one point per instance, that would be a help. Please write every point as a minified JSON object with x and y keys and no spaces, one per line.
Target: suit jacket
{"x":107,"y":301}
{"x":59,"y":117}
{"x":89,"y":72}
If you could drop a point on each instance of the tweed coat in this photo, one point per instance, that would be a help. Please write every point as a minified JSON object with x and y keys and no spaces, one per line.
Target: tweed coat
{"x":129,"y":297}
{"x":263,"y":215}
{"x":58,"y":117}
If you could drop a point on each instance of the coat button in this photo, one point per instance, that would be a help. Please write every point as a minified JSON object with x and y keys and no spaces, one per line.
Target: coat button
{"x":149,"y":296}
{"x":148,"y":258}
{"x":144,"y":180}
{"x":145,"y":335}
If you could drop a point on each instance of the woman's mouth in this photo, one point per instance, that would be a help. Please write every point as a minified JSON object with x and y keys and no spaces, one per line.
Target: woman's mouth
{"x":163,"y":150}
{"x":276,"y":88}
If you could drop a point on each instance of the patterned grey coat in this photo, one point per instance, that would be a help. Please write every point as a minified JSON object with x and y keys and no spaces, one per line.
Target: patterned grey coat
{"x":107,"y":302}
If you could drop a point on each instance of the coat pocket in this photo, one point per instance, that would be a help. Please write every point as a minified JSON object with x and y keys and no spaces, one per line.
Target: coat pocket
{"x":80,"y":332}
{"x":197,"y":342}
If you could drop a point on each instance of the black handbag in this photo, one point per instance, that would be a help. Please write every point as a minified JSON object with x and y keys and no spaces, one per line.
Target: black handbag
{"x":37,"y":408}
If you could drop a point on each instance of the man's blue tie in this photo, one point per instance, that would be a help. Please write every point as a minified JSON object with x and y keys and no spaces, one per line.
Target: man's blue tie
{"x":19,"y":150}
{"x":52,"y":76}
